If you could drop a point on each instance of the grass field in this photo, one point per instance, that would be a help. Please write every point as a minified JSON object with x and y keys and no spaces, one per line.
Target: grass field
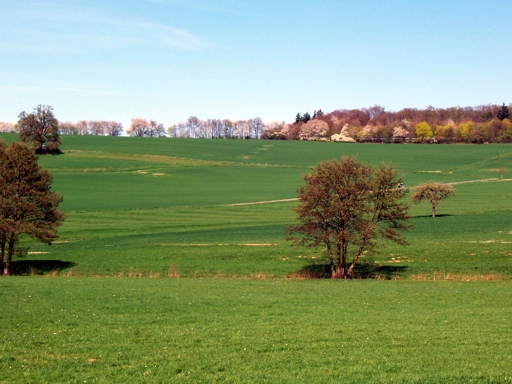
{"x":227,"y":330}
{"x":147,"y":206}
{"x":159,"y":208}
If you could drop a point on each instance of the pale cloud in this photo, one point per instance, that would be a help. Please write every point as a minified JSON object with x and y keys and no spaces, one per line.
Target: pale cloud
{"x":13,"y":89}
{"x":218,"y":6}
{"x":81,"y":29}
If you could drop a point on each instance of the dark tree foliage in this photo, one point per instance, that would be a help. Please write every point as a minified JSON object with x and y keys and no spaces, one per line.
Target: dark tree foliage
{"x":347,"y":207}
{"x":27,"y":204}
{"x":487,"y":116}
{"x":306,"y":117}
{"x":317,"y":114}
{"x":504,"y":113}
{"x":40,"y":129}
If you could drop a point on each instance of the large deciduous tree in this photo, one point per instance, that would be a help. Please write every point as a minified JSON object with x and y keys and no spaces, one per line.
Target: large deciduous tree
{"x":27,"y":204}
{"x":40,"y":129}
{"x":347,"y":207}
{"x":433,"y":192}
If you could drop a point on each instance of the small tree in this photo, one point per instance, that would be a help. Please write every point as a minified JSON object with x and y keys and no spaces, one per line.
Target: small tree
{"x":40,"y":129}
{"x":27,"y":204}
{"x":433,"y":192}
{"x":346,"y":207}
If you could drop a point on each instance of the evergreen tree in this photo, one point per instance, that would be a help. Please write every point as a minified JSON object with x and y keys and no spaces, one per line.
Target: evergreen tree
{"x":504,"y":113}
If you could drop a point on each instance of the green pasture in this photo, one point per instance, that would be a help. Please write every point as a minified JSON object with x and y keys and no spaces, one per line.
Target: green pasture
{"x":150,"y":205}
{"x":98,"y":330}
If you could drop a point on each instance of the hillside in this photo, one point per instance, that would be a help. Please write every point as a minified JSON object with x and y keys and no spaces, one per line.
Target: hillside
{"x":148,"y":205}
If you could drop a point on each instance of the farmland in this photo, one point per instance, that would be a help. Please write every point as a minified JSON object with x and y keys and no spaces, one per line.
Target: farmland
{"x":160,"y":208}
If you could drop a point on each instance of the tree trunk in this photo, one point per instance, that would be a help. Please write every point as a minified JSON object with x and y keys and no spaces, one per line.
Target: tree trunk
{"x":10,"y":252}
{"x":344,"y":260}
{"x":331,"y":261}
{"x":2,"y":254}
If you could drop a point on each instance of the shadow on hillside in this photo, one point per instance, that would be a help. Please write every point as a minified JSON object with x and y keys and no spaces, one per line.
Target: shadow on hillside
{"x":362,"y":271}
{"x":38,"y":267}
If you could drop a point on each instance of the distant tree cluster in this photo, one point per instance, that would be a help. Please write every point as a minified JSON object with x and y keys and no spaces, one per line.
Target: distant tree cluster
{"x":306,"y":117}
{"x":196,"y":128}
{"x":7,"y":127}
{"x":144,"y":128}
{"x":485,"y":123}
{"x":91,"y":127}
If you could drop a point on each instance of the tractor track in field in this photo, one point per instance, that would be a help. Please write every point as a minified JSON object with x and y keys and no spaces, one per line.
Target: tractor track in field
{"x":476,"y":181}
{"x":295,"y":199}
{"x":263,"y":202}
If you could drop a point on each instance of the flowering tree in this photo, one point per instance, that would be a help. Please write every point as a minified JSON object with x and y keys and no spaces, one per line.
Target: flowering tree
{"x":313,"y":130}
{"x":433,"y":192}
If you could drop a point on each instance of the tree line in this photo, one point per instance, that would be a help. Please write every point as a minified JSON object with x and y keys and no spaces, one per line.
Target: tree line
{"x":485,"y":123}
{"x":482,"y":124}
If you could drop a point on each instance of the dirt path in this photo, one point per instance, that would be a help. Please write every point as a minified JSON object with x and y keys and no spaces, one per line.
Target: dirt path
{"x":476,"y":181}
{"x":295,"y":199}
{"x":263,"y":202}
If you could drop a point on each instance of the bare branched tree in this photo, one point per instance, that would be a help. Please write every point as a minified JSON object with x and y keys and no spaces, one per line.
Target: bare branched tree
{"x":346,"y":207}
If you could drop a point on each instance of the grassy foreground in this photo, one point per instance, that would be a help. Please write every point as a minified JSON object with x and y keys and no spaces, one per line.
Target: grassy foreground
{"x":227,"y":330}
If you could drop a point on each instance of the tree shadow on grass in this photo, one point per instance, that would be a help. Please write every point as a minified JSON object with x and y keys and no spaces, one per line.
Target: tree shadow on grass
{"x":361,"y":271}
{"x":430,"y":216}
{"x":38,"y":267}
{"x":378,"y":271}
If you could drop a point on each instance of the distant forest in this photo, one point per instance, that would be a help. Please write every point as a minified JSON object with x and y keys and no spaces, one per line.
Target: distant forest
{"x":483,"y":124}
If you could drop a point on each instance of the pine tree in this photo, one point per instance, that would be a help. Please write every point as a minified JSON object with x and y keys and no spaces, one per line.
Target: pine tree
{"x":504,"y":113}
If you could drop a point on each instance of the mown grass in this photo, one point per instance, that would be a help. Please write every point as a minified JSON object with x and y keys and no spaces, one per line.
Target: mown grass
{"x":227,"y":330}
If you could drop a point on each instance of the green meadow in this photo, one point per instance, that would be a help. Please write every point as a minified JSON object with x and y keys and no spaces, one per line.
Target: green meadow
{"x":172,"y":265}
{"x":233,"y":330}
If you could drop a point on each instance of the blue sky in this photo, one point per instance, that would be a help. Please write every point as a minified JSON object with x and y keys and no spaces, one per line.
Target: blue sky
{"x":169,"y":59}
